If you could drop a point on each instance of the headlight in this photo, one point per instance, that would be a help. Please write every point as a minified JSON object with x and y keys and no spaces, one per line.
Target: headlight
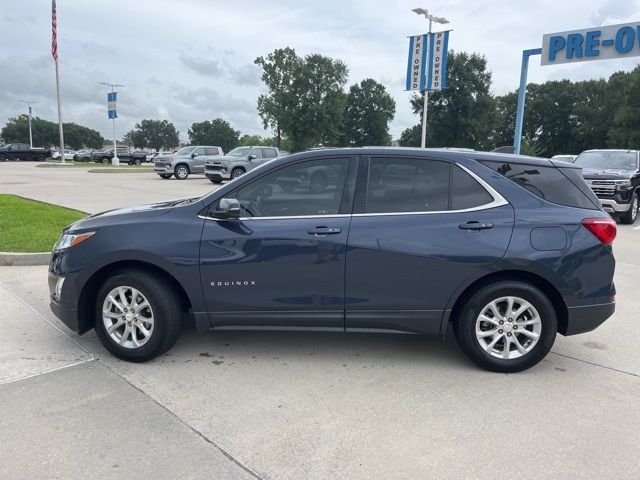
{"x":623,"y":184}
{"x":68,"y":240}
{"x":225,"y":163}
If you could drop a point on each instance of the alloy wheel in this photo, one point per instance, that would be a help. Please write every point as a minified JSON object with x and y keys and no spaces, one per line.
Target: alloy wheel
{"x":508,"y":328}
{"x":127,"y":317}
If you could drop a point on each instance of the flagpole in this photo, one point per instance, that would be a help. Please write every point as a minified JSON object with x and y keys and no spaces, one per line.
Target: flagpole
{"x":59,"y":114}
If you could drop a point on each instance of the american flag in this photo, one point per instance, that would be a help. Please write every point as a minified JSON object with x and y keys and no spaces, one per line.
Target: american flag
{"x":54,"y":31}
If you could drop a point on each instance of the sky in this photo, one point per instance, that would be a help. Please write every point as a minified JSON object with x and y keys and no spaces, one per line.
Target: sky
{"x":192,"y":60}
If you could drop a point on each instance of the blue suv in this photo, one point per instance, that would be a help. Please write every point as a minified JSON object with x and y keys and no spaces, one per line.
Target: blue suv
{"x":507,"y":250}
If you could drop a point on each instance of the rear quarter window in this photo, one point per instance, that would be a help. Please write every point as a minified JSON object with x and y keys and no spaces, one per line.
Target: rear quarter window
{"x":548,"y":183}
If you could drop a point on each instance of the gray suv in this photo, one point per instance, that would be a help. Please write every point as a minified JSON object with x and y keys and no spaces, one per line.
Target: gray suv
{"x":238,"y":162}
{"x":185,"y":161}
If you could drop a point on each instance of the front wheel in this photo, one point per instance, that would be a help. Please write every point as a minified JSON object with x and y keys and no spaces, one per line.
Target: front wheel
{"x":40,"y":157}
{"x":630,"y":217}
{"x":181,"y":172}
{"x":215,"y":179}
{"x":506,"y":326}
{"x":165,"y":176}
{"x":138,"y":316}
{"x":137,"y":162}
{"x":236,"y":172}
{"x":106,"y":161}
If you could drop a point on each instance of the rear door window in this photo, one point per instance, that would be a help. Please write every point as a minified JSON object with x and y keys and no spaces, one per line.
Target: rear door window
{"x":548,"y":183}
{"x":211,"y":151}
{"x":398,"y":185}
{"x":269,"y":153}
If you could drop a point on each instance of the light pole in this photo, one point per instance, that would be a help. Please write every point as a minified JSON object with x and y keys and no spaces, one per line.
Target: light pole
{"x":115,"y":160}
{"x":441,"y":20}
{"x":29,"y":103}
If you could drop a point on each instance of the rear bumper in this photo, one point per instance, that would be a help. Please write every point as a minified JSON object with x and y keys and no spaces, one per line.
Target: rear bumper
{"x":586,"y":318}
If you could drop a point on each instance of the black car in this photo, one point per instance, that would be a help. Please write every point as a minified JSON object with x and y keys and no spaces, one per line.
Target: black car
{"x":507,"y":250}
{"x":132,"y":157}
{"x":614,"y":176}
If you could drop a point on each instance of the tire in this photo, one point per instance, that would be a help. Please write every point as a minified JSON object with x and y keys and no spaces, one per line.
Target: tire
{"x":137,"y":162}
{"x":631,"y":216}
{"x":318,"y":183}
{"x":166,"y":176}
{"x":164,"y":309}
{"x":215,"y":180}
{"x":181,"y":171}
{"x":40,"y":157}
{"x":236,"y":172}
{"x":491,"y":357}
{"x":3,"y":157}
{"x":106,"y":161}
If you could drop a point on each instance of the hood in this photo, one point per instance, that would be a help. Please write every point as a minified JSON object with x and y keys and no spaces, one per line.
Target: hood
{"x":606,"y":174}
{"x":129,"y":214}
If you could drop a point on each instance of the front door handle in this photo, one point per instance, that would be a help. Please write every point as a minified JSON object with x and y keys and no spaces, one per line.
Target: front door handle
{"x":473,"y":225}
{"x":324,"y":231}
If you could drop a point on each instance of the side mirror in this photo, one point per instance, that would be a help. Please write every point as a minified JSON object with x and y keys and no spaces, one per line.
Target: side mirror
{"x":252,"y":157}
{"x":227,"y":208}
{"x":194,"y":155}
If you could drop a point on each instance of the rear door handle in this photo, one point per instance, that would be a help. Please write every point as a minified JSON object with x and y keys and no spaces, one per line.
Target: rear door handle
{"x":473,"y":225}
{"x":324,"y":231}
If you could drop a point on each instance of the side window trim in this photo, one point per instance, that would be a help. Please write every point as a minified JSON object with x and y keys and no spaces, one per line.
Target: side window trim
{"x":363,"y":182}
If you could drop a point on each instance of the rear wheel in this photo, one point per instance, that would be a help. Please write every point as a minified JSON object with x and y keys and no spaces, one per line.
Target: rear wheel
{"x":3,"y":157}
{"x":181,"y":172}
{"x":138,"y":316}
{"x":40,"y":157}
{"x":106,"y":160}
{"x":506,"y":326}
{"x":215,"y":179}
{"x":632,"y":214}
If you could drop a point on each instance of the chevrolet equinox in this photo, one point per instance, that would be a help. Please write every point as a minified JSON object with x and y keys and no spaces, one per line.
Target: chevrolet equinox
{"x":507,"y":250}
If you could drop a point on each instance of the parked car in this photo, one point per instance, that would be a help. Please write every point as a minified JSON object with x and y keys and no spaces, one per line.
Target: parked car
{"x":22,"y":151}
{"x":68,"y":154}
{"x":614,"y":176}
{"x":237,"y":162}
{"x":83,"y":155}
{"x":565,"y":158}
{"x":508,"y":250}
{"x":185,"y":161}
{"x":132,"y":157}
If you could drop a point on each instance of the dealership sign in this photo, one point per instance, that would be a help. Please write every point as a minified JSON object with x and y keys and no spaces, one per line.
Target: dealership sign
{"x":427,"y":64}
{"x":600,"y":43}
{"x":112,"y":98}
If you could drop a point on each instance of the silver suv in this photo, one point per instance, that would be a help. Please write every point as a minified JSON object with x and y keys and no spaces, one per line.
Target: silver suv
{"x":238,"y":162}
{"x":185,"y":161}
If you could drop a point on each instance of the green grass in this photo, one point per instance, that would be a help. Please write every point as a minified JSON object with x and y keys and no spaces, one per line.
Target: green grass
{"x":31,"y":226}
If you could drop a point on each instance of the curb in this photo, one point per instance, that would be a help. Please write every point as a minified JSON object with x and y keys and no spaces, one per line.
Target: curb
{"x":8,"y":259}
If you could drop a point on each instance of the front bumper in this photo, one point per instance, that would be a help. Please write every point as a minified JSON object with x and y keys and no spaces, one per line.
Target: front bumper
{"x":586,"y":318}
{"x":162,"y":169}
{"x":64,"y":303}
{"x":217,"y":172}
{"x":612,"y":206}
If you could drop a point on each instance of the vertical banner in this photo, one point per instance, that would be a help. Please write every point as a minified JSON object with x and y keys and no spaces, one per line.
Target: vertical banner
{"x":417,"y":63}
{"x":438,"y":51}
{"x":111,"y":104}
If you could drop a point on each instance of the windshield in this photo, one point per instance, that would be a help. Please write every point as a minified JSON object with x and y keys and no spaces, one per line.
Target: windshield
{"x":608,"y":160}
{"x":185,"y":151}
{"x":239,"y":152}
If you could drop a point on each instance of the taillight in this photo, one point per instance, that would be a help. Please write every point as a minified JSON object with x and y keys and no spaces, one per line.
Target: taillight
{"x":604,"y":229}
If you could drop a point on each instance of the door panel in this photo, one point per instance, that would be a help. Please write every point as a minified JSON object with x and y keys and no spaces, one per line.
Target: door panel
{"x":282,"y":263}
{"x":402,"y":270}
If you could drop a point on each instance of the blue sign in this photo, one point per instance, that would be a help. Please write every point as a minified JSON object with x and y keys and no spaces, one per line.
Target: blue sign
{"x":600,"y":43}
{"x":112,"y":98}
{"x":427,"y":63}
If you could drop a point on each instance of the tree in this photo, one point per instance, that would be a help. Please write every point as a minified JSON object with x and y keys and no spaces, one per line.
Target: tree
{"x":279,"y":71}
{"x":368,"y":111}
{"x":625,"y":127}
{"x":306,"y":98}
{"x":411,"y":137}
{"x":463,"y":114}
{"x":154,"y":134}
{"x":135,"y":138}
{"x":216,"y":132}
{"x":45,"y":133}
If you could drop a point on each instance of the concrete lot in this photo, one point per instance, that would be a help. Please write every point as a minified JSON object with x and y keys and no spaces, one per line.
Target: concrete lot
{"x":258,"y":405}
